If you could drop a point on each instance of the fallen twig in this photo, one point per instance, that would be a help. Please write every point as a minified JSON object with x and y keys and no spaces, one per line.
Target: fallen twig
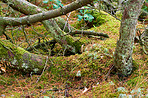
{"x":43,"y":70}
{"x":89,"y":33}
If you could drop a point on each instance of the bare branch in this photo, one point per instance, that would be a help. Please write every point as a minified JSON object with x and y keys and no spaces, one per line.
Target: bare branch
{"x":89,"y":33}
{"x":44,"y":15}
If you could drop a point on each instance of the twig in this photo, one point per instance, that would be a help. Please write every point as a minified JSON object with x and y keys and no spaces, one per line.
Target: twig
{"x":25,"y":35}
{"x":88,"y":33}
{"x":113,"y":15}
{"x":109,"y":72}
{"x":43,"y":70}
{"x":36,"y":32}
{"x":66,"y":23}
{"x":7,"y":37}
{"x":64,"y":50}
{"x":82,"y":31}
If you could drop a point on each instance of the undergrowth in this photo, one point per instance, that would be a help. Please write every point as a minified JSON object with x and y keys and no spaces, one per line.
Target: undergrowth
{"x":95,"y":64}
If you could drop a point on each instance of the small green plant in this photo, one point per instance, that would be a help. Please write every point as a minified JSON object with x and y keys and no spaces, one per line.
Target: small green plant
{"x":90,"y":18}
{"x":85,"y":15}
{"x":45,"y":1}
{"x":144,"y":12}
{"x":56,"y":5}
{"x":144,"y":7}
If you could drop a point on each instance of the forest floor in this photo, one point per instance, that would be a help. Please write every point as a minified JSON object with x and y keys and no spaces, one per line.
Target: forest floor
{"x":60,"y":79}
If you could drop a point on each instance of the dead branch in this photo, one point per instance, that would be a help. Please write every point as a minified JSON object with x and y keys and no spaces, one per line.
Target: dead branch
{"x":89,"y":33}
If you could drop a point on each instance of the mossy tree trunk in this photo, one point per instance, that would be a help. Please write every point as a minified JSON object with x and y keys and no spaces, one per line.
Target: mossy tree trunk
{"x":124,"y":49}
{"x":20,"y":58}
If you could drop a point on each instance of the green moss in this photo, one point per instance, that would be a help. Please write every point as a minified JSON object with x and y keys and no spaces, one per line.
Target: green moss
{"x":105,"y":90}
{"x":21,"y":58}
{"x":85,"y":40}
{"x":132,"y":82}
{"x":6,"y":81}
{"x":118,"y":14}
{"x":111,"y":25}
{"x":99,"y":19}
{"x":75,"y":43}
{"x":16,"y":51}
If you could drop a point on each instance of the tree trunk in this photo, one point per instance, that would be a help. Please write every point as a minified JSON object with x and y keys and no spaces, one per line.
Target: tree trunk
{"x":20,"y":58}
{"x":124,"y":48}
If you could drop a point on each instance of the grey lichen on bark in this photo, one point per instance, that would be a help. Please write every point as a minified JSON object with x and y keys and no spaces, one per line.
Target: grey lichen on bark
{"x":124,"y":49}
{"x":20,"y":58}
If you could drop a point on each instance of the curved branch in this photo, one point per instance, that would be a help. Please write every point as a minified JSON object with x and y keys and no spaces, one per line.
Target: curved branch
{"x":44,"y":15}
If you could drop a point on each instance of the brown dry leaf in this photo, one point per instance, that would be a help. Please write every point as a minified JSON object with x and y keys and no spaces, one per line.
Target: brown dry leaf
{"x":3,"y":69}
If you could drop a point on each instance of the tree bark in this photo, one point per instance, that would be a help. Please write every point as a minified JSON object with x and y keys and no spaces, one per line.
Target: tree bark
{"x":124,"y":49}
{"x":20,"y":58}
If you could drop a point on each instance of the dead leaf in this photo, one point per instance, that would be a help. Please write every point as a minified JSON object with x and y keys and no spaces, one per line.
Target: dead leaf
{"x":3,"y":69}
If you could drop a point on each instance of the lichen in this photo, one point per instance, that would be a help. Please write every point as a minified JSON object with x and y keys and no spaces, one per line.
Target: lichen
{"x":20,"y":57}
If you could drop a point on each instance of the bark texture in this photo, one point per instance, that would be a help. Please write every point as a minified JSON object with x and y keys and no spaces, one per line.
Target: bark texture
{"x":20,"y":58}
{"x":124,"y":48}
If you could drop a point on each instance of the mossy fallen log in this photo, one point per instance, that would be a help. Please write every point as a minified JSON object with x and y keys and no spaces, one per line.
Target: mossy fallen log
{"x":20,"y":58}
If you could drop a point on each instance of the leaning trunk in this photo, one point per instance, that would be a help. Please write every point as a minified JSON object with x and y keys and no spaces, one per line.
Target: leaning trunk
{"x":124,"y":49}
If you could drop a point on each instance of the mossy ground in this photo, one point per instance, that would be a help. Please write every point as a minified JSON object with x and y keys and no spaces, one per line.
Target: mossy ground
{"x":94,"y":64}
